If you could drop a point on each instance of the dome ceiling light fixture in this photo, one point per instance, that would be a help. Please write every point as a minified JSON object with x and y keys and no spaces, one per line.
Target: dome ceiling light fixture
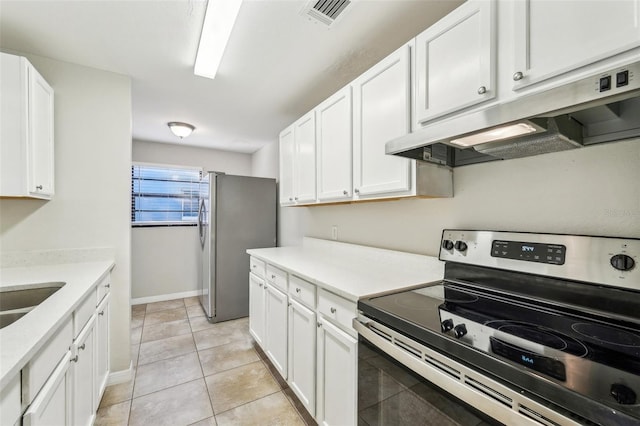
{"x":181,"y":130}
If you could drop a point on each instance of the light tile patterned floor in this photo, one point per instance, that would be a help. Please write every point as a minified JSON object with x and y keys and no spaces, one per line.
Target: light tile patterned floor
{"x":191,"y":372}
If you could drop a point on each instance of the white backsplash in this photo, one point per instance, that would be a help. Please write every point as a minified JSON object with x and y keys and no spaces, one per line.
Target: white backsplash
{"x":18,"y":259}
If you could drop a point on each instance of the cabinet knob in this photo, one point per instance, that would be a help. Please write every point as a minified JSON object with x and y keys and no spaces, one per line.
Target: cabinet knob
{"x":107,"y":285}
{"x":357,"y":191}
{"x":333,"y":310}
{"x":289,"y":304}
{"x":297,"y":290}
{"x":295,"y":198}
{"x":273,"y":276}
{"x":319,"y":325}
{"x":482,"y":90}
{"x":74,"y":359}
{"x":290,"y":199}
{"x":101,"y":313}
{"x":518,"y":76}
{"x":345,"y":192}
{"x":260,"y":284}
{"x":39,"y":187}
{"x":84,"y":345}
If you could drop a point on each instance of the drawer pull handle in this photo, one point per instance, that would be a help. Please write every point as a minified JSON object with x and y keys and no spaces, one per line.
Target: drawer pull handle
{"x":74,"y":359}
{"x":84,"y":345}
{"x":101,"y":313}
{"x":39,"y":187}
{"x":297,"y":290}
{"x":333,"y":310}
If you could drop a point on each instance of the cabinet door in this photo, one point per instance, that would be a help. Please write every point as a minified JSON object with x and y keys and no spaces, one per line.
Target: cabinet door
{"x":256,"y":308}
{"x":455,"y":61}
{"x":381,"y":102}
{"x":287,"y":151}
{"x":554,"y":37}
{"x":40,"y":135}
{"x":305,"y":159}
{"x":276,"y":328}
{"x":302,"y":354}
{"x":84,"y":376}
{"x":52,"y":406}
{"x":334,"y":147}
{"x":337,"y":376}
{"x":102,"y":349}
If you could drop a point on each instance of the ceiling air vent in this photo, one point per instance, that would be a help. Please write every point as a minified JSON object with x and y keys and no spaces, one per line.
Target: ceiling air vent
{"x":325,"y":11}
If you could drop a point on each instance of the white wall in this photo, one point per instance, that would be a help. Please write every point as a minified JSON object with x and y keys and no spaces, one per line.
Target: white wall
{"x":591,"y":191}
{"x":92,"y":183}
{"x":265,"y":163}
{"x":165,"y":259}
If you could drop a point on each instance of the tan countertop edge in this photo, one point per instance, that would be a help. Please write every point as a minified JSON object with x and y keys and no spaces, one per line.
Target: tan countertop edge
{"x":20,"y":341}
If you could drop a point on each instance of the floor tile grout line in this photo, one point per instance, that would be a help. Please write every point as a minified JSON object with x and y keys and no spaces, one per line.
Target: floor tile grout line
{"x":249,"y":402}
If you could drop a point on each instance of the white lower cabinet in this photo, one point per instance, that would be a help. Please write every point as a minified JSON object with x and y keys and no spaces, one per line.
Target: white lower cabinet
{"x":67,"y":391}
{"x":337,"y":376}
{"x":276,"y":328}
{"x":102,"y":348}
{"x":307,"y":335}
{"x":83,"y":376}
{"x":302,"y":354}
{"x":52,"y":406}
{"x":256,"y":308}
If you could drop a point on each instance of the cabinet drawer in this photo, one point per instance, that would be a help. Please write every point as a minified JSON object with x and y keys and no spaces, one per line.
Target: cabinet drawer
{"x":278,"y":277}
{"x":103,"y":288}
{"x":339,"y":310}
{"x":10,"y":402}
{"x":38,"y":370}
{"x":83,"y":312}
{"x":303,"y":291}
{"x":257,"y":266}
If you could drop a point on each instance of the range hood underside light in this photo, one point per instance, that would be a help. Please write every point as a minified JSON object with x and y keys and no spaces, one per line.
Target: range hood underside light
{"x":498,"y":134}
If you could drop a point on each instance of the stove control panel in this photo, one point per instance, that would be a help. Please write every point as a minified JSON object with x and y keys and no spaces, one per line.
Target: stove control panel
{"x":600,"y":260}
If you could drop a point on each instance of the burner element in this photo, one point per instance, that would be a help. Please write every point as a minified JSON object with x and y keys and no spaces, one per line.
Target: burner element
{"x":607,"y":334}
{"x":457,"y":296}
{"x":541,"y":335}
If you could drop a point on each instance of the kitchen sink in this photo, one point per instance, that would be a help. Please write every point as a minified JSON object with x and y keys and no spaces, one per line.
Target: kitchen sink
{"x":14,"y":304}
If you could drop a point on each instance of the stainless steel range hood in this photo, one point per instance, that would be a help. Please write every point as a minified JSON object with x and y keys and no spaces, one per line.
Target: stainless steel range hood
{"x":601,"y":108}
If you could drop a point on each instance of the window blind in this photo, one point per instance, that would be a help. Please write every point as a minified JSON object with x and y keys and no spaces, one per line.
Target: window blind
{"x":164,"y":195}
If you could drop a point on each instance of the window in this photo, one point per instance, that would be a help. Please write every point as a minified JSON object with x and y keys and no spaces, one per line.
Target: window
{"x":164,"y":195}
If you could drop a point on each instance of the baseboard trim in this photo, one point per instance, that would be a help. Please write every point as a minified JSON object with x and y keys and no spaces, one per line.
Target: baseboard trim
{"x":121,"y":376}
{"x":163,"y":297}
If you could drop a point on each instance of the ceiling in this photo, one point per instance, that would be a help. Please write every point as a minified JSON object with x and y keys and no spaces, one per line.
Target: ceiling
{"x":278,"y":64}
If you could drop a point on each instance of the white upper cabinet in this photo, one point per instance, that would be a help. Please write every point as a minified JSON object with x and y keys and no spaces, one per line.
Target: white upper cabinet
{"x":334,"y":147}
{"x":305,"y":163}
{"x":298,"y":162}
{"x":287,"y":154}
{"x":382,"y":111}
{"x":555,"y":37}
{"x":26,"y":134}
{"x":455,"y":61}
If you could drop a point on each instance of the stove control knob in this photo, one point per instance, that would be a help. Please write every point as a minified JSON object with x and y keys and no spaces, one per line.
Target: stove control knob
{"x":461,"y":246}
{"x":446,"y":325}
{"x":459,"y":330}
{"x":447,"y":244}
{"x":622,"y":262}
{"x":623,"y":394}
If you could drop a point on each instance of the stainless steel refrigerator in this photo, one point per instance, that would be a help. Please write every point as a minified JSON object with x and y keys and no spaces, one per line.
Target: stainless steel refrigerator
{"x":236,"y":213}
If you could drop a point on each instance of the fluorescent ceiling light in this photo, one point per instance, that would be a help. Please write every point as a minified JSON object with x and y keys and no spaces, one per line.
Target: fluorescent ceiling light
{"x":219,"y":19}
{"x":496,"y":134}
{"x":181,"y":130}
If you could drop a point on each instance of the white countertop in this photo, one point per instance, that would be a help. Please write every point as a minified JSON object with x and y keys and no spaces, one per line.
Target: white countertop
{"x":353,"y":271}
{"x":20,"y":341}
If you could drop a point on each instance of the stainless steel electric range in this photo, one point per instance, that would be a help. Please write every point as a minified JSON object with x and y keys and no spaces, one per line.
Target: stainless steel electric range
{"x":527,"y":328}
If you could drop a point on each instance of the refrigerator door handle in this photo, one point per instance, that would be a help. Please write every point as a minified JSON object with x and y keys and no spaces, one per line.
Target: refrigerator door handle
{"x":201,"y":219}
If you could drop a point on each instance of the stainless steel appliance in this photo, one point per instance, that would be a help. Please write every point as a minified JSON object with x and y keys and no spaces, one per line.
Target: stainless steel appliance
{"x":603,"y":107}
{"x":529,"y":328}
{"x":236,"y":213}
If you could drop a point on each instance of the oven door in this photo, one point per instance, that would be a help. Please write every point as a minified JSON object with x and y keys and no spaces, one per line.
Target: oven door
{"x":401,"y":381}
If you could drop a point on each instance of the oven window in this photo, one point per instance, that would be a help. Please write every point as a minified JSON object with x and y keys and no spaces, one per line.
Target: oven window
{"x":391,"y":394}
